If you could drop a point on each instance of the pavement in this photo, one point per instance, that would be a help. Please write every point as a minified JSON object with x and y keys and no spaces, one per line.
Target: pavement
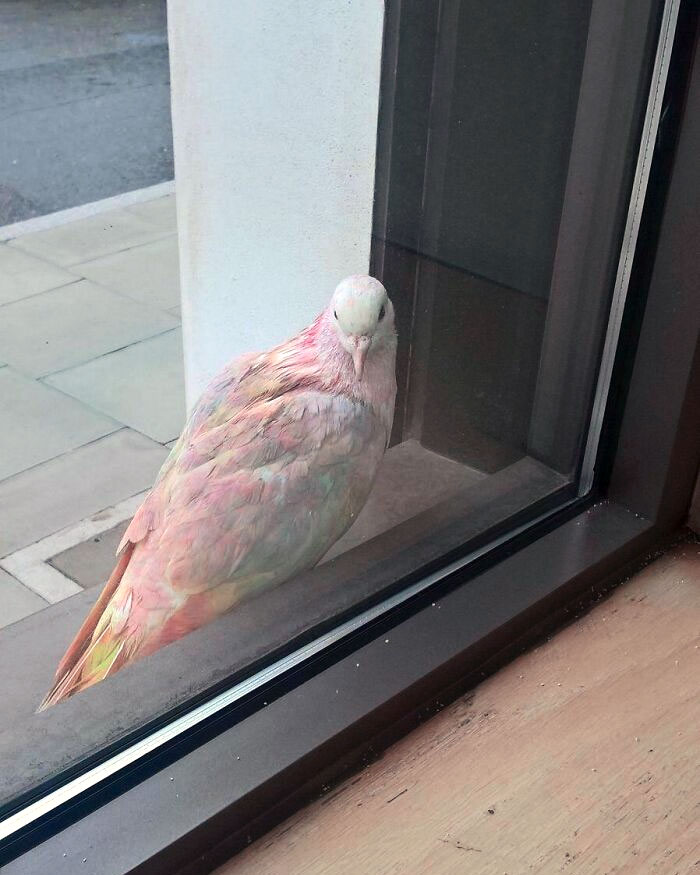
{"x":84,"y":102}
{"x":92,"y":398}
{"x":91,"y":393}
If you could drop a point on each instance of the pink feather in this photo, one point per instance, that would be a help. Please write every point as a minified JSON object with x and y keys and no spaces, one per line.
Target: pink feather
{"x":274,"y":464}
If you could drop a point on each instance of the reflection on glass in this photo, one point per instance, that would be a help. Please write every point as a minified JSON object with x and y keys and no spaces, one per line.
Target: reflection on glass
{"x":478,"y":142}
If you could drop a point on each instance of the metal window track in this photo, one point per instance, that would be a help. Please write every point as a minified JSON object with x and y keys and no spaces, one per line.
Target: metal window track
{"x":650,"y":128}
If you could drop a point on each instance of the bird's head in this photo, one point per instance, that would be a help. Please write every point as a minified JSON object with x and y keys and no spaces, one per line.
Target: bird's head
{"x":363,"y":317}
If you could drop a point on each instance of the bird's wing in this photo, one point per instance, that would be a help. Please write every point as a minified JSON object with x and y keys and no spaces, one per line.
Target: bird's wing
{"x":206,"y":417}
{"x":200,"y":419}
{"x":250,"y":499}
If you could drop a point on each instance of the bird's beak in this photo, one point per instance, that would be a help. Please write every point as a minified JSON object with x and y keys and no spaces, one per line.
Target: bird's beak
{"x":360,"y":347}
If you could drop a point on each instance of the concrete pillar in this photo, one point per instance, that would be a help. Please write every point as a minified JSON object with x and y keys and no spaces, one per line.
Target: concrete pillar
{"x":275,"y":119}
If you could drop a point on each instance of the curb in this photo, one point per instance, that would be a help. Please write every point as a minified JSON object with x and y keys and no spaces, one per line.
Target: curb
{"x":84,"y":211}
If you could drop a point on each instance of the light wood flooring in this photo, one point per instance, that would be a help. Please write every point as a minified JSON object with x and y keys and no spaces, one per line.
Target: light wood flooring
{"x":580,"y":757}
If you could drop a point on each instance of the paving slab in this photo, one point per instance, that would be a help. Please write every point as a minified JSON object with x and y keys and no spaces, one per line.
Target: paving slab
{"x":89,"y":238}
{"x":38,"y":423}
{"x":22,"y":275}
{"x":65,"y":490}
{"x":141,"y":386}
{"x":148,"y":273}
{"x":91,"y":563}
{"x":160,"y":212}
{"x":16,"y":601}
{"x":73,"y":324}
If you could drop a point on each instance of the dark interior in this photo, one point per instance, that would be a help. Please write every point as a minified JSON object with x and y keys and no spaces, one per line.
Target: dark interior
{"x":476,"y":128}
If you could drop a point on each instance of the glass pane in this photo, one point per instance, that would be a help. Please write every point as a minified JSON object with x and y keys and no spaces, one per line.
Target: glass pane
{"x":295,"y":500}
{"x":497,"y":90}
{"x":490,"y":212}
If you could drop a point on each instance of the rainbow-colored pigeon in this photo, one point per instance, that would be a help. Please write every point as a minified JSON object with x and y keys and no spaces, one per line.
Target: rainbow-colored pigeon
{"x":275,"y":462}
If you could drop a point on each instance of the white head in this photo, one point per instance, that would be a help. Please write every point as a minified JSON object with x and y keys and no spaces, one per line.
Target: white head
{"x":363,"y":317}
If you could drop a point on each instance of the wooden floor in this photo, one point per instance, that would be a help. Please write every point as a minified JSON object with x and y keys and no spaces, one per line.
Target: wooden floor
{"x":580,"y":757}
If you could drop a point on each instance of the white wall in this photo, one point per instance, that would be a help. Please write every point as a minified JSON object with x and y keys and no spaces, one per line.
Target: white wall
{"x":275,"y":118}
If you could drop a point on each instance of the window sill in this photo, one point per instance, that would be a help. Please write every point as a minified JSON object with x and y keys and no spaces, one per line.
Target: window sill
{"x":247,"y":777}
{"x":553,"y":759}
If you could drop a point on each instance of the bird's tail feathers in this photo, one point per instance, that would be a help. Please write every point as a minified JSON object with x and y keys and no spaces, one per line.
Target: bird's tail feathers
{"x":90,"y":644}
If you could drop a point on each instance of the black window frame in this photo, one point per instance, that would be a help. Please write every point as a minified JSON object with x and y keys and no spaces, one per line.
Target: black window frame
{"x":178,"y":810}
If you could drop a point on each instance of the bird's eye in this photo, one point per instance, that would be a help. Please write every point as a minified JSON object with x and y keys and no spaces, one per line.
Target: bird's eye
{"x":335,"y":314}
{"x":381,"y":313}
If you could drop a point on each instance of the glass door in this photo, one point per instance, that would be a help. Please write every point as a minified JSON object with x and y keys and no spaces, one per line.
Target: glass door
{"x":514,"y":141}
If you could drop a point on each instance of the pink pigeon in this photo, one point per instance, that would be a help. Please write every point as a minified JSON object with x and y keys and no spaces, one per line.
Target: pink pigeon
{"x":274,"y":464}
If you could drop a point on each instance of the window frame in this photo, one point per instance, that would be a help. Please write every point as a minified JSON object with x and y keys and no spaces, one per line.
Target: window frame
{"x":288,"y":739}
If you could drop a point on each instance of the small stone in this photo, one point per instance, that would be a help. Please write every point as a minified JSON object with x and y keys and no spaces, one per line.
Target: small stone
{"x":491,"y":811}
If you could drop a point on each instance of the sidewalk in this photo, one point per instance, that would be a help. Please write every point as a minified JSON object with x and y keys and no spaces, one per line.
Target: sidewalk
{"x":91,"y":393}
{"x":92,"y":398}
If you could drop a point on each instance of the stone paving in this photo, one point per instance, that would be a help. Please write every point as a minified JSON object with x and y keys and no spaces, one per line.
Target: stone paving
{"x":92,"y":398}
{"x":91,"y":391}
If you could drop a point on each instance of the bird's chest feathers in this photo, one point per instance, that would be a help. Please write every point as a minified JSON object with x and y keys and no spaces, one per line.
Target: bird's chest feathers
{"x":328,"y":415}
{"x":377,"y":389}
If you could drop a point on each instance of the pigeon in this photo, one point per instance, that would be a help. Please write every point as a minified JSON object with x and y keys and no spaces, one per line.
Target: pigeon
{"x":274,"y":464}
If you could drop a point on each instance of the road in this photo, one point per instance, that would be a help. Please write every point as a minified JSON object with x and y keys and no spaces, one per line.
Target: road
{"x":84,"y":102}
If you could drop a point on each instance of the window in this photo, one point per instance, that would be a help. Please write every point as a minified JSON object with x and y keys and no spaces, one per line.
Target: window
{"x":512,"y":158}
